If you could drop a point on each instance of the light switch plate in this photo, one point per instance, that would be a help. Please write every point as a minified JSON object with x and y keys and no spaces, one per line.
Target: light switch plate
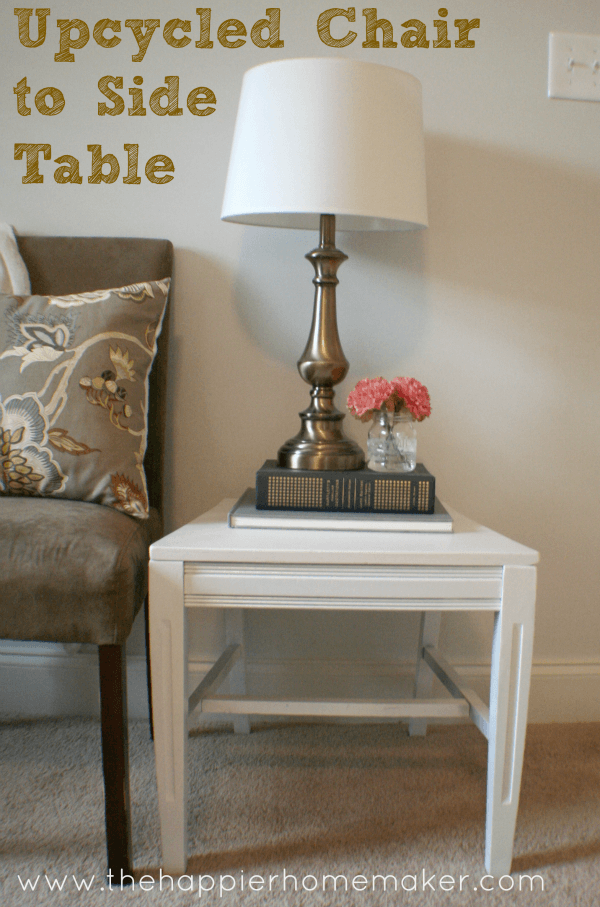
{"x":574,"y":67}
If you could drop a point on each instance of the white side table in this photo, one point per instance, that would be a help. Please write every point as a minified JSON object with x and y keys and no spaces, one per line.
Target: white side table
{"x":207,"y":564}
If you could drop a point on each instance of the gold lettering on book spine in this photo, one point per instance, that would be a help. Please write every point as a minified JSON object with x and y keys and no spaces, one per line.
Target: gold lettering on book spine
{"x":391,"y":494}
{"x":294,"y":492}
{"x":423,"y":491}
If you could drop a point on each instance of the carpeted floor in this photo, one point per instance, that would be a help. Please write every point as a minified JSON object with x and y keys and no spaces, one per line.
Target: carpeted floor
{"x":291,"y":805}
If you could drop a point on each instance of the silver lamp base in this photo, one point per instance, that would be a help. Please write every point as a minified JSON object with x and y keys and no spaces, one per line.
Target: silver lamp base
{"x":321,"y":443}
{"x":322,"y":456}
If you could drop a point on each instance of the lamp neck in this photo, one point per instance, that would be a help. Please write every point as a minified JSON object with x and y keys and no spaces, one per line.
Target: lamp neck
{"x":327,"y":231}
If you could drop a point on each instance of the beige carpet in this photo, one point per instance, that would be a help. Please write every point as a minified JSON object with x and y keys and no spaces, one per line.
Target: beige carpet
{"x":311,"y":801}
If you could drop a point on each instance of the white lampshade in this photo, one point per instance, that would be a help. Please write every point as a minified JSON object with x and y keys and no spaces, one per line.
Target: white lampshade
{"x":328,"y":135}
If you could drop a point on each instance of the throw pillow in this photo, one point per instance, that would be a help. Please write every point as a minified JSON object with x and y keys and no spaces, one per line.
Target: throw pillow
{"x":74,"y":393}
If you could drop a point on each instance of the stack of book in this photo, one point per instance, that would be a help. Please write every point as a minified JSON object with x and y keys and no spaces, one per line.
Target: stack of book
{"x":359,"y":499}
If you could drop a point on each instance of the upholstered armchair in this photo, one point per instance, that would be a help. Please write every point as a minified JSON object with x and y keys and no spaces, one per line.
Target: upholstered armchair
{"x":74,"y":571}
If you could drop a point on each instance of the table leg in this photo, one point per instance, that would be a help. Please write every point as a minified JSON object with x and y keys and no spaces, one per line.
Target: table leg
{"x":168,"y":648}
{"x":234,"y":633}
{"x":428,"y":636}
{"x":509,"y":696}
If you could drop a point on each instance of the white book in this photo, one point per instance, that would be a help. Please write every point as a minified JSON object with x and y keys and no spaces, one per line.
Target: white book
{"x":245,"y":515}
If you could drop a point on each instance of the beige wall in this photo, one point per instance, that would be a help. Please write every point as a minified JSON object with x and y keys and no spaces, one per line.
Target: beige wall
{"x":495,"y":307}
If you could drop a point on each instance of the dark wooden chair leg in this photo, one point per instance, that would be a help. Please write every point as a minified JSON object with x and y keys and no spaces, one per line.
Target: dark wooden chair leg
{"x":115,"y":760}
{"x":148,"y":670}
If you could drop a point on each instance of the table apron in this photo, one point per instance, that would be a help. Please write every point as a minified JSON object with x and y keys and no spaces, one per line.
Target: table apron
{"x":351,"y":586}
{"x":341,"y":604}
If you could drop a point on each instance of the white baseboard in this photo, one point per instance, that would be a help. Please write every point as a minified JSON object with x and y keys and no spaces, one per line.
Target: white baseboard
{"x":57,"y":681}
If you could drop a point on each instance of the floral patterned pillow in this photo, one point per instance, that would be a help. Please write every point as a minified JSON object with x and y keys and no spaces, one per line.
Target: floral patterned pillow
{"x":74,"y":393}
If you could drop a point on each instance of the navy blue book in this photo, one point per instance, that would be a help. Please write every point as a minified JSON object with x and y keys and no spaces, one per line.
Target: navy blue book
{"x":344,"y":491}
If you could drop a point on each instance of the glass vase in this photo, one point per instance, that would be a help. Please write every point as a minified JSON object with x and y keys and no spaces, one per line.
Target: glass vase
{"x":392,"y":442}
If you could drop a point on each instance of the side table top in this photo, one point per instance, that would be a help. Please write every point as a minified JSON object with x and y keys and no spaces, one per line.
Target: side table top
{"x":209,"y":538}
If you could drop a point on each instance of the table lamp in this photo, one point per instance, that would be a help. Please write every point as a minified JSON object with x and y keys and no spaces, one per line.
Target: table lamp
{"x":318,"y":141}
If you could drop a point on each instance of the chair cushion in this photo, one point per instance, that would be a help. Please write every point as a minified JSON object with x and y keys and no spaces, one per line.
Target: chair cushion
{"x":74,"y":393}
{"x":71,"y":571}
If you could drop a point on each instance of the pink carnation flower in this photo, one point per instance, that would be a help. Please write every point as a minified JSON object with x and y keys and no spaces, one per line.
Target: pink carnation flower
{"x":372,"y":394}
{"x":413,"y":395}
{"x":368,"y":395}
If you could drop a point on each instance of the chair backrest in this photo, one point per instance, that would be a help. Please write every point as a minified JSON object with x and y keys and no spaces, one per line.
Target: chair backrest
{"x":62,"y":265}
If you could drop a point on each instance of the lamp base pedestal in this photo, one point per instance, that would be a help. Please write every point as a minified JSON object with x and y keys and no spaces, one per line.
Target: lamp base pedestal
{"x":320,"y":457}
{"x":321,"y":444}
